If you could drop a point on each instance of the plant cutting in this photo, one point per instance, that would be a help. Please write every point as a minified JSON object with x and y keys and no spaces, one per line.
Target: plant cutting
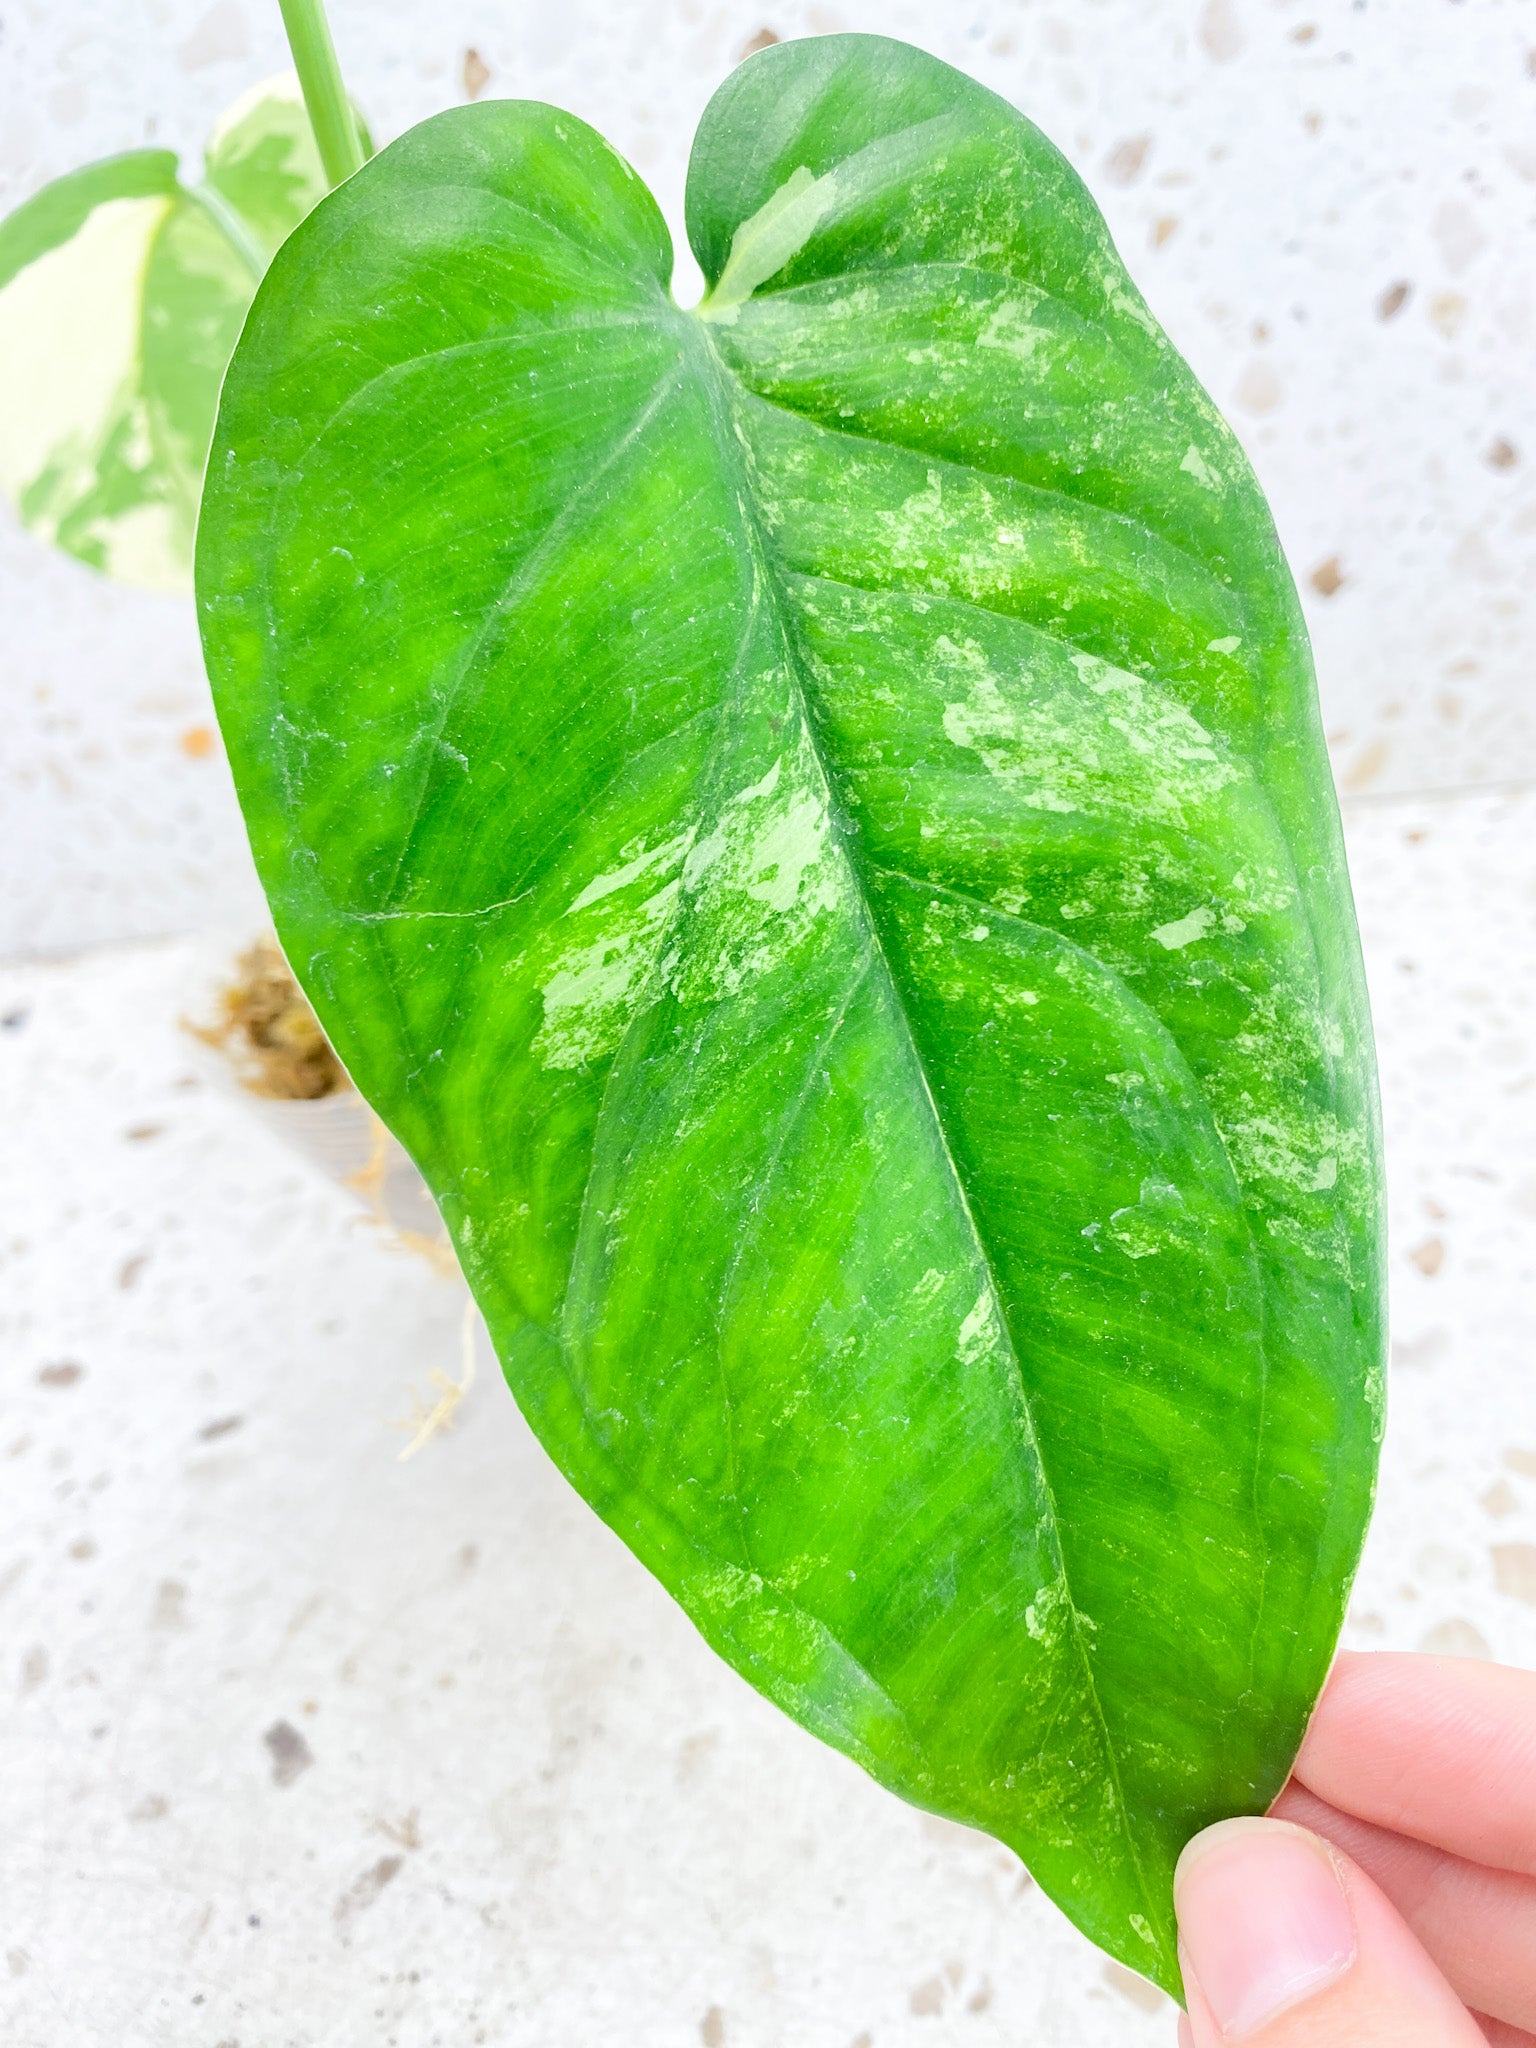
{"x":807,"y":817}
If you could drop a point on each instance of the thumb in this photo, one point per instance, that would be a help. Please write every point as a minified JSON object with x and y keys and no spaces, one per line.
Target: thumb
{"x":1284,"y":1941}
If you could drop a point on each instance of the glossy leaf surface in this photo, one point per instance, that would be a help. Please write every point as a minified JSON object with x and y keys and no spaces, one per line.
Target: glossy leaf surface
{"x":122,"y":292}
{"x":808,"y":819}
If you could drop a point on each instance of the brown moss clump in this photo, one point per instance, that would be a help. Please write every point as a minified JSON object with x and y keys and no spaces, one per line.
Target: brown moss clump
{"x":271,"y":1032}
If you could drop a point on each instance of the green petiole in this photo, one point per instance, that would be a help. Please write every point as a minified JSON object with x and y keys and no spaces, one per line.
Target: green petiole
{"x":330,"y":111}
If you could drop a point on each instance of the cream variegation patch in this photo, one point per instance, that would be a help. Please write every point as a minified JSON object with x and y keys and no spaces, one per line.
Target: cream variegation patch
{"x":762,"y":877}
{"x":605,"y":947}
{"x":70,"y":339}
{"x":589,"y":997}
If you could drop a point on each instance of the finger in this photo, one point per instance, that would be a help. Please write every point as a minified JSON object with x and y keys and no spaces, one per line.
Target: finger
{"x":1478,"y":1925}
{"x":1286,"y":1944}
{"x":1441,"y":1748}
{"x":1495,"y":2033}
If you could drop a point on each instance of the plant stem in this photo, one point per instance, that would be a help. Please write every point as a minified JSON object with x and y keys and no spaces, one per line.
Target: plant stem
{"x":330,"y":111}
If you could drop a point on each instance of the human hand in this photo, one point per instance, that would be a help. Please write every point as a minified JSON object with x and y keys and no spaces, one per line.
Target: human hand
{"x":1390,"y":1899}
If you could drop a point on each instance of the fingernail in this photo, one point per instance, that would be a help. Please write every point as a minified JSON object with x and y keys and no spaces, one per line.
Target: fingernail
{"x":1263,"y":1920}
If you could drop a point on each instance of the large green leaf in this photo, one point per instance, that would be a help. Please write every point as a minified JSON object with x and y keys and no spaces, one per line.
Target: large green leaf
{"x":122,"y":292}
{"x":808,"y":818}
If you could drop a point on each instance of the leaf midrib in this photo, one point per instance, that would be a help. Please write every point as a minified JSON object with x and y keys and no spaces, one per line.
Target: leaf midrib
{"x":714,"y":378}
{"x":1239,"y":598}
